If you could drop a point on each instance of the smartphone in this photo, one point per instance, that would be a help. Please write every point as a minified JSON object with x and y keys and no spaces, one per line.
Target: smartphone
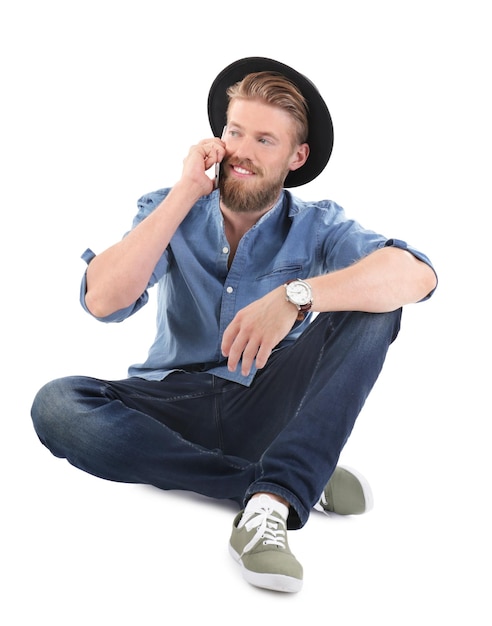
{"x":217,"y":165}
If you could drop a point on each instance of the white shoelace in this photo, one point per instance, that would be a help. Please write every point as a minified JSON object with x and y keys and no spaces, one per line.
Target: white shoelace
{"x":269,"y":528}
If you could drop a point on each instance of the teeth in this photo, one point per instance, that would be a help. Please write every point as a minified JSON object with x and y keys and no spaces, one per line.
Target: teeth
{"x":240,"y":170}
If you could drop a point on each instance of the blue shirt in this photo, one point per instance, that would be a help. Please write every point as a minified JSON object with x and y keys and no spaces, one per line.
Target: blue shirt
{"x":199,"y":296}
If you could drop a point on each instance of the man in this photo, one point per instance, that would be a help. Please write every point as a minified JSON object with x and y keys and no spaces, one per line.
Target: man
{"x":274,"y":319}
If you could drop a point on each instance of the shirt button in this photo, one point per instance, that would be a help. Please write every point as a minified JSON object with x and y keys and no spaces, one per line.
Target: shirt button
{"x":225,"y":249}
{"x":229,"y":289}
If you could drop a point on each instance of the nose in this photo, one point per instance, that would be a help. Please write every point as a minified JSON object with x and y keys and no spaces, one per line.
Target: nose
{"x":243,"y":148}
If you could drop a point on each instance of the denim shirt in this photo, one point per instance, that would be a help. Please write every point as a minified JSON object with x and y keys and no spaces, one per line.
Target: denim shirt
{"x":198,"y":295}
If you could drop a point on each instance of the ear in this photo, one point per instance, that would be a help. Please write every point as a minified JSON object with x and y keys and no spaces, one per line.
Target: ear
{"x":299,"y":157}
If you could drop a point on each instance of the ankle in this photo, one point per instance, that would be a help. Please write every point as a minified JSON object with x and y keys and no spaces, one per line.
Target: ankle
{"x":273,"y":496}
{"x":265,"y":501}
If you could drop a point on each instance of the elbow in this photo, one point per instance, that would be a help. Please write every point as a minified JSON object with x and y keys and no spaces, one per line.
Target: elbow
{"x":427,"y":281}
{"x":430,"y":280}
{"x":97,"y":306}
{"x":114,"y":309}
{"x":415,"y":279}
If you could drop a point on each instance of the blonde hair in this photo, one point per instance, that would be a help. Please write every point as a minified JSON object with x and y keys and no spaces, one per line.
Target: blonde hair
{"x":276,"y":90}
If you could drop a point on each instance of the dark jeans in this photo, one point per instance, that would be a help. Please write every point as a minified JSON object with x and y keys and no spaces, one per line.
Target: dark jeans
{"x":197,"y":432}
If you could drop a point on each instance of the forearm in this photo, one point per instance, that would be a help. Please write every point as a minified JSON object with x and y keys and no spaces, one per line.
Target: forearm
{"x":383,"y":281}
{"x":119,"y":275}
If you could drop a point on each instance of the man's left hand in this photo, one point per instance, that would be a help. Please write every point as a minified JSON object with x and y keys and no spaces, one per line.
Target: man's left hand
{"x":257,"y":329}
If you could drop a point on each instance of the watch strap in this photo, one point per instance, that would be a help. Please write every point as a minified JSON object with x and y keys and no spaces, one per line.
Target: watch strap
{"x":302,"y":308}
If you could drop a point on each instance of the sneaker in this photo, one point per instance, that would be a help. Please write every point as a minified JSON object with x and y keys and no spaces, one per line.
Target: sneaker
{"x":347,"y":493}
{"x":259,"y":544}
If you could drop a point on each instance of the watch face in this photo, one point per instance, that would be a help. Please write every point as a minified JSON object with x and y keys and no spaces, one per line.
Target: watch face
{"x":298,"y":293}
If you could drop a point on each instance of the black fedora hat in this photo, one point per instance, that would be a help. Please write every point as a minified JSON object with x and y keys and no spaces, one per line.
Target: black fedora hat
{"x":320,"y":137}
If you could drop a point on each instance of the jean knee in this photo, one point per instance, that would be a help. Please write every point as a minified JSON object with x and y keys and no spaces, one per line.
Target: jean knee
{"x":385,"y":326}
{"x":390,"y":322}
{"x":377,"y":331}
{"x":49,"y":407}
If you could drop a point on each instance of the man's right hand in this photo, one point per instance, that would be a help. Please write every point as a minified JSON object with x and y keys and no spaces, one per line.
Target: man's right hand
{"x":201,"y":158}
{"x":119,"y":275}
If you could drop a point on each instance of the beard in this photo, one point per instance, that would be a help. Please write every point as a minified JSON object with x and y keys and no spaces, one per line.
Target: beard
{"x":249,"y":196}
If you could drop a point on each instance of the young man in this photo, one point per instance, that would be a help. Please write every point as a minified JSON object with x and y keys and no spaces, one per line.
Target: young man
{"x":245,"y":394}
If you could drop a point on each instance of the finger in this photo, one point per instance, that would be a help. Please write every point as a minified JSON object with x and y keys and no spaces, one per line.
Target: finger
{"x":262,"y":356}
{"x":227,"y":339}
{"x":233,"y":359}
{"x":235,"y":353}
{"x":212,"y":155}
{"x":217,"y":140}
{"x":248,"y":357}
{"x":210,"y":146}
{"x":231,"y":348}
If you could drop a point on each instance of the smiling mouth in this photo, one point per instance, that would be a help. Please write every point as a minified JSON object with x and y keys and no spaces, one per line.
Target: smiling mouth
{"x":242,"y":171}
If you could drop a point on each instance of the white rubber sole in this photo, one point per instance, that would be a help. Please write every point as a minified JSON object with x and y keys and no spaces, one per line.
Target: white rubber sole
{"x":273,"y":582}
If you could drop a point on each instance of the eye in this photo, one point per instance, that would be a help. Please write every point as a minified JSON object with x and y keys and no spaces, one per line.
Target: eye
{"x":264,"y":141}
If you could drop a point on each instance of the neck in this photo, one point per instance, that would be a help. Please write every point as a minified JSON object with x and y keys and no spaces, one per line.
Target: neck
{"x":237,"y":223}
{"x":241,"y":221}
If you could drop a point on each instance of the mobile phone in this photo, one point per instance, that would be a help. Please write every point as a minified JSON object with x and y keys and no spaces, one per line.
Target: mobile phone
{"x":217,"y":165}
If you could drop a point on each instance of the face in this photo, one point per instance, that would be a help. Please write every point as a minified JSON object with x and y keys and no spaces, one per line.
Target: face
{"x":260,"y":152}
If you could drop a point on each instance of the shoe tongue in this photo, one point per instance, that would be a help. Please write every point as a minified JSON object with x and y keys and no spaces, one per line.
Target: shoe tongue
{"x":265,"y":502}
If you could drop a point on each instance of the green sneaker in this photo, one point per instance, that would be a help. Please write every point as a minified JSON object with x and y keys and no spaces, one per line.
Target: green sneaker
{"x":259,"y":544}
{"x":347,"y":493}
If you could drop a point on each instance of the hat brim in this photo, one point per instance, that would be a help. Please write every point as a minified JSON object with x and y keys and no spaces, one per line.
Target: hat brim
{"x":320,"y":135}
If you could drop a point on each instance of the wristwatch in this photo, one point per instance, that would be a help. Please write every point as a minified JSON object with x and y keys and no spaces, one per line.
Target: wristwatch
{"x":300,"y":294}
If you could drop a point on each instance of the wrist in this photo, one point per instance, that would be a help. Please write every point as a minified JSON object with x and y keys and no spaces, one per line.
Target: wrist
{"x":299,"y":293}
{"x":188,"y":191}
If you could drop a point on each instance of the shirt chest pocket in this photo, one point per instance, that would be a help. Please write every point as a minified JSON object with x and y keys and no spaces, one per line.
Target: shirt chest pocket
{"x":281,"y":273}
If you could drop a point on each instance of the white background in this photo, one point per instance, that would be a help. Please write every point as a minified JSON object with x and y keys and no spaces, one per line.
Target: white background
{"x":100,"y":103}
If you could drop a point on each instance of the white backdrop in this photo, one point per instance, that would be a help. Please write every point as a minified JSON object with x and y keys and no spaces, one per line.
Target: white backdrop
{"x":100,"y":103}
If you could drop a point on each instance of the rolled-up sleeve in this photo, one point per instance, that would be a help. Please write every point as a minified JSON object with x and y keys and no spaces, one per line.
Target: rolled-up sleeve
{"x":146,"y":204}
{"x":345,"y":241}
{"x":117,"y":316}
{"x":398,"y":243}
